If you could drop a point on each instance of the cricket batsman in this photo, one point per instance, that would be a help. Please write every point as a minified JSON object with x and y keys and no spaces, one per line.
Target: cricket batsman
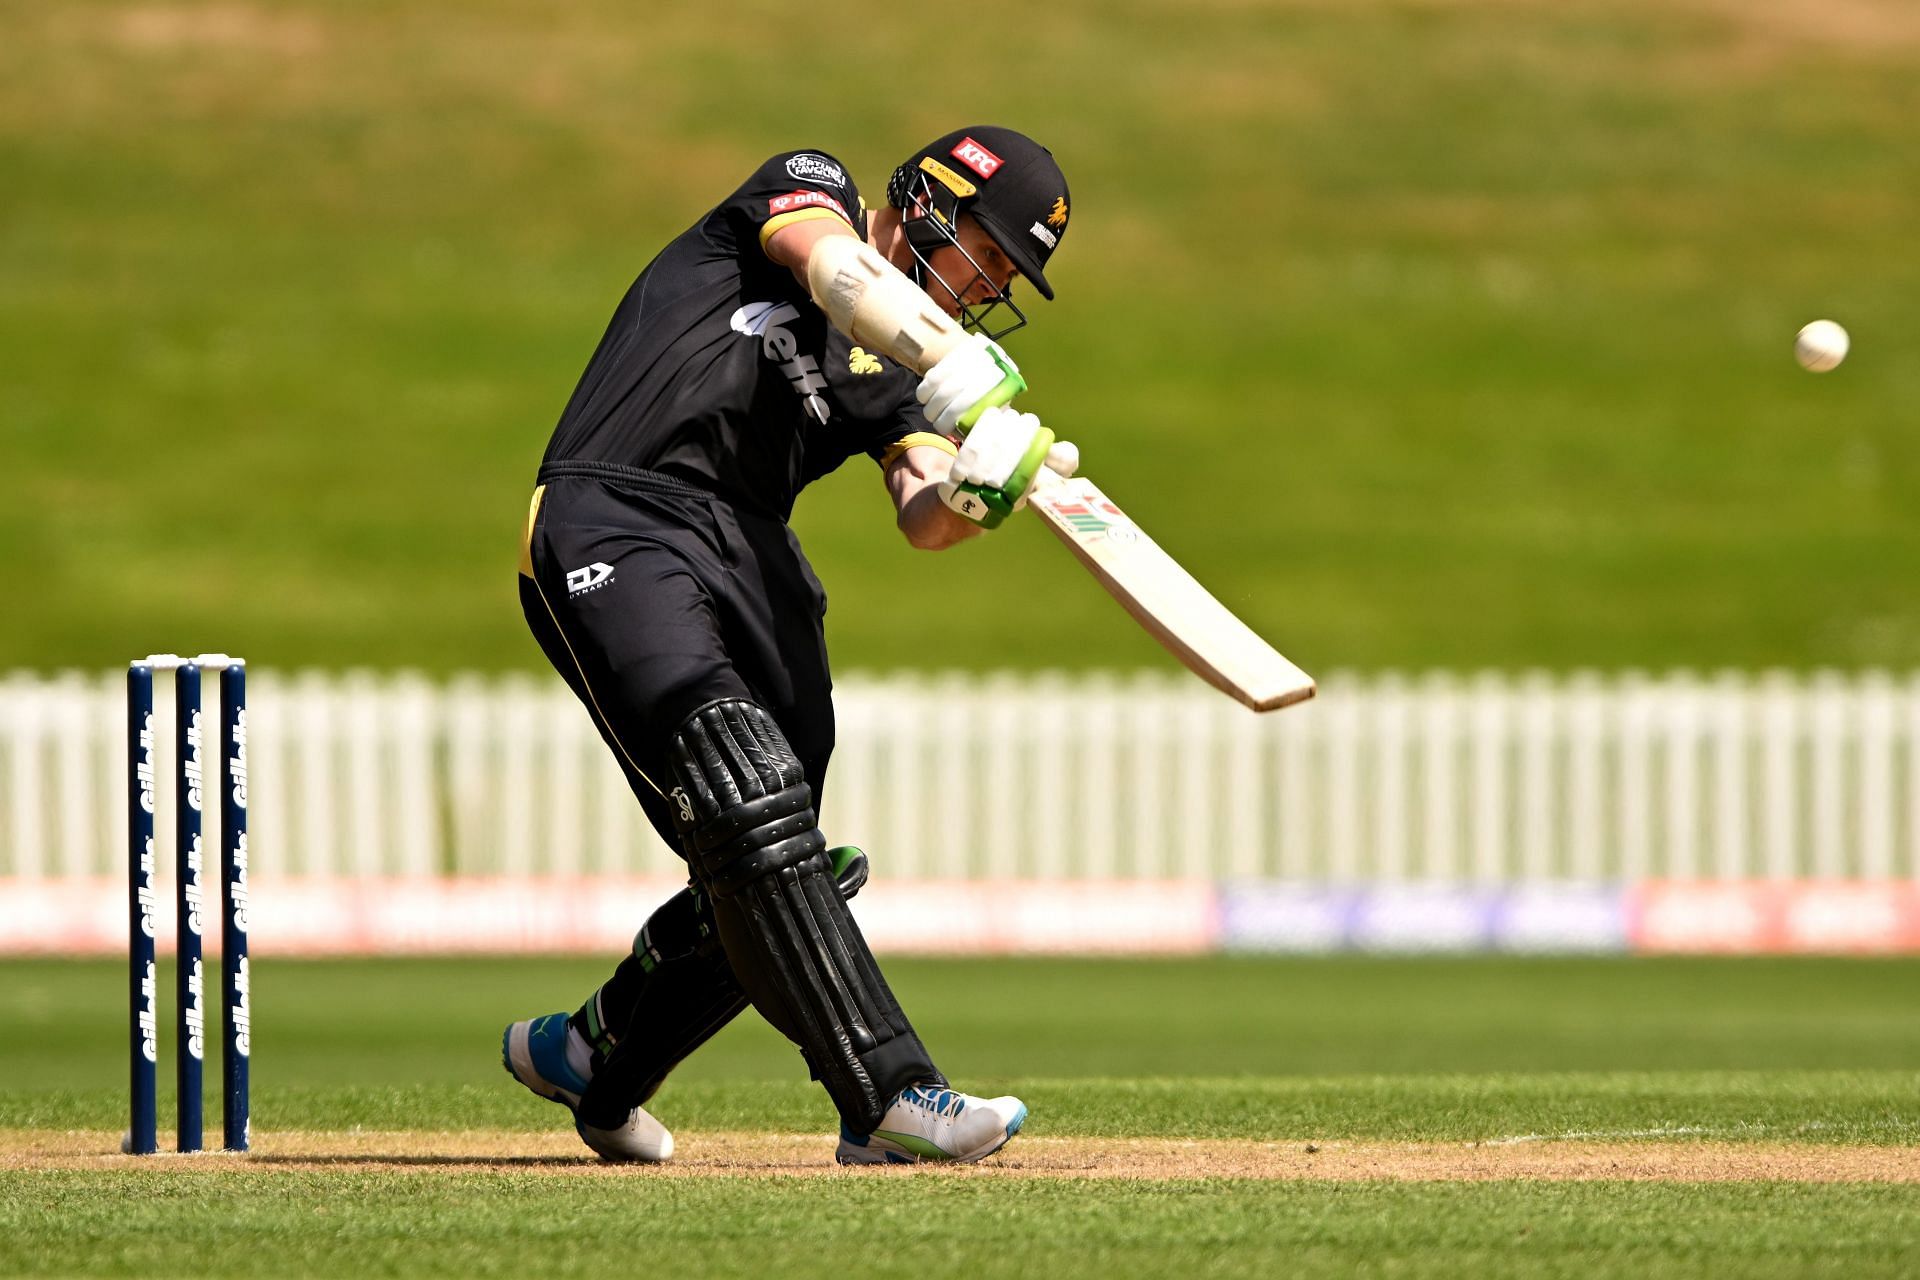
{"x":787,"y":330}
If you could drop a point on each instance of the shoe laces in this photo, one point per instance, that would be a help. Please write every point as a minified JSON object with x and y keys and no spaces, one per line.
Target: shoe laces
{"x":944,"y":1103}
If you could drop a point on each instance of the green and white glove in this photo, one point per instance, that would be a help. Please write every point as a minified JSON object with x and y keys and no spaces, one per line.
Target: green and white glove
{"x":970,"y":379}
{"x":1000,"y":462}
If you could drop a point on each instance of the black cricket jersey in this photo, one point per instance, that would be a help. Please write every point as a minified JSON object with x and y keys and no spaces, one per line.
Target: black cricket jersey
{"x":718,"y":369}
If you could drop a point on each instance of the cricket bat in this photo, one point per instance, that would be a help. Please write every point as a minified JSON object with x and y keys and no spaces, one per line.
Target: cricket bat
{"x":1165,"y":599}
{"x":878,"y":307}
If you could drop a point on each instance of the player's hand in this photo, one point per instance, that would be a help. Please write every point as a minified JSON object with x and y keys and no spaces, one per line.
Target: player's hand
{"x":970,"y":379}
{"x":997,"y":467}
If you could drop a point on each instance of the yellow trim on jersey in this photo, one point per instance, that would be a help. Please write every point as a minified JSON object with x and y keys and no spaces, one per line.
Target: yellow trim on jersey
{"x":526,"y":535}
{"x":779,"y":220}
{"x":919,"y":439}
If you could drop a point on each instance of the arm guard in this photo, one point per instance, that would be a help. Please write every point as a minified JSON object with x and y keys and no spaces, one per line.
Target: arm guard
{"x":870,"y":301}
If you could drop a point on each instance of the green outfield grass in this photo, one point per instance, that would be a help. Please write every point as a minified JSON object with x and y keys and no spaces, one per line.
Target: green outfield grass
{"x":507,"y":1224}
{"x":1254,"y":1048}
{"x":1336,"y":1050}
{"x":1431,"y":334}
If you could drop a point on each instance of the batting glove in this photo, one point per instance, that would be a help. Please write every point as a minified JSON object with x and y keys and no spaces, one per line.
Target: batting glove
{"x":970,"y":379}
{"x":997,"y":467}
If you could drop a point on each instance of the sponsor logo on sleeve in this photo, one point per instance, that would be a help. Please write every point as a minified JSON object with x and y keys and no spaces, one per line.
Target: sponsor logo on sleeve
{"x":976,"y":157}
{"x":804,"y":199}
{"x":859,"y":360}
{"x":807,"y":167}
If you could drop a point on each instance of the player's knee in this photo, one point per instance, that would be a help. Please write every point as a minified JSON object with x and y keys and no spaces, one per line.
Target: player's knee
{"x":741,"y":801}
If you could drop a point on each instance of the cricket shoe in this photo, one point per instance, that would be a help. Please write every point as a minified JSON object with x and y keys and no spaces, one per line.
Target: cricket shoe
{"x":534,"y":1052}
{"x":927,"y":1122}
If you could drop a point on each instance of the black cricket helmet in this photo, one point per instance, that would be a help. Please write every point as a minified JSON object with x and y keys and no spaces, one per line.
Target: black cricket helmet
{"x":1014,"y":190}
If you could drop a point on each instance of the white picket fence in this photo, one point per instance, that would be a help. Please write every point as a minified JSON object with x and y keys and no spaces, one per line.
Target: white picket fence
{"x":1384,"y":779}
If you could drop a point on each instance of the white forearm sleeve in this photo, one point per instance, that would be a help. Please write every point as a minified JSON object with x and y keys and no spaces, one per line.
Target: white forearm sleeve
{"x":870,"y":301}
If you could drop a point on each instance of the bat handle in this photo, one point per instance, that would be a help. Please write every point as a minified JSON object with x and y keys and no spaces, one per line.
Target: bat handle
{"x":1062,"y":461}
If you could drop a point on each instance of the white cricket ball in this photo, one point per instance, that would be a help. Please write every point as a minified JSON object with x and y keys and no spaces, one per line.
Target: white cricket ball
{"x":1820,"y":346}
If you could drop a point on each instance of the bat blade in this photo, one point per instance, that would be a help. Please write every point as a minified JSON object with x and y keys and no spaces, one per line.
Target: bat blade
{"x":1165,"y":599}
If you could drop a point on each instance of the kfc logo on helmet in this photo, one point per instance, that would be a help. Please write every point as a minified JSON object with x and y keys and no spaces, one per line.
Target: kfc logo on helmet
{"x":812,"y":168}
{"x":801,"y":199}
{"x":976,"y":157}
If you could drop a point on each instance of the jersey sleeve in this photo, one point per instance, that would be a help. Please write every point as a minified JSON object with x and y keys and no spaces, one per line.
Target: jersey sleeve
{"x":792,"y":187}
{"x":887,"y":455}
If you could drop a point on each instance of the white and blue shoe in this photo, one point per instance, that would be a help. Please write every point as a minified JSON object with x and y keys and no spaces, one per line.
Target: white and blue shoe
{"x":927,"y":1122}
{"x":535,"y":1052}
